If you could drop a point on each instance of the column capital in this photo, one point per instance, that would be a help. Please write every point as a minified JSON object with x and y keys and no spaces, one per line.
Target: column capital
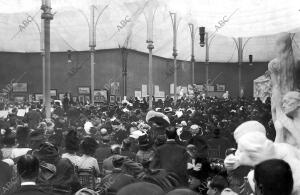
{"x":193,"y":58}
{"x":174,"y":53}
{"x":150,"y":44}
{"x":47,"y":15}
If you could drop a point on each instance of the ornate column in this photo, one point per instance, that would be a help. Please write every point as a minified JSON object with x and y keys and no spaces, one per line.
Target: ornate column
{"x":47,"y":16}
{"x":174,"y":25}
{"x":92,"y":45}
{"x":192,"y":30}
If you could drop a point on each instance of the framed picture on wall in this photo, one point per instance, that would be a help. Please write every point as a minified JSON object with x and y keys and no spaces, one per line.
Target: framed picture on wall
{"x":19,"y":87}
{"x":61,"y":96}
{"x":38,"y":96}
{"x":81,"y":98}
{"x":84,"y":90}
{"x":100,"y":95}
{"x":199,"y":87}
{"x":118,"y":99}
{"x":19,"y":99}
{"x":53,"y":92}
{"x":112,"y":98}
{"x":74,"y":98}
{"x":87,"y":99}
{"x":30,"y":97}
{"x":220,"y":87}
{"x":210,"y":88}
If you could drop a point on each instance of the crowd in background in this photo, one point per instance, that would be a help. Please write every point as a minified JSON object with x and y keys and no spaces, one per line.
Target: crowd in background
{"x":126,"y":147}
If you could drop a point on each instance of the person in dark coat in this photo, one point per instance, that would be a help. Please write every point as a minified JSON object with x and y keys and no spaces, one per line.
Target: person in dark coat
{"x":125,"y":149}
{"x":66,"y":103}
{"x":198,"y":141}
{"x":172,"y":157}
{"x":219,"y":142}
{"x":33,"y":117}
{"x":28,"y":169}
{"x":104,"y":150}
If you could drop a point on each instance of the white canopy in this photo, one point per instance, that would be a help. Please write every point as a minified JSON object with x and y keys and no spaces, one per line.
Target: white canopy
{"x":123,"y":24}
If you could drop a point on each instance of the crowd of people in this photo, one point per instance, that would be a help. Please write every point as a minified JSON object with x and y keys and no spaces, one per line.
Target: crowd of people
{"x":127,"y":149}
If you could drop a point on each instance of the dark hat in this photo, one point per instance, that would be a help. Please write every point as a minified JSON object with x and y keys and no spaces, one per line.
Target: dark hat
{"x":89,"y":145}
{"x":37,"y":135}
{"x":186,"y":135}
{"x":216,"y":131}
{"x":72,"y":141}
{"x":9,"y":137}
{"x":118,"y":161}
{"x":168,"y":109}
{"x":144,"y":141}
{"x":126,"y":143}
{"x":48,"y":153}
{"x":22,"y":134}
{"x":160,"y":140}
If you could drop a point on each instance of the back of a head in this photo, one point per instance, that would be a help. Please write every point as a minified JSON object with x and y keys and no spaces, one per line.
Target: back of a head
{"x":171,"y":133}
{"x":216,"y":132}
{"x":141,"y":188}
{"x":126,"y":143}
{"x":72,"y":141}
{"x":28,"y":167}
{"x":22,"y":135}
{"x":219,"y":182}
{"x":88,"y":146}
{"x":274,"y":177}
{"x":33,"y":106}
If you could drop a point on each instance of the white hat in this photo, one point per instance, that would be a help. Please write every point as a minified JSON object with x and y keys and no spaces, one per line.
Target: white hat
{"x":179,"y":131}
{"x":151,"y":114}
{"x":248,"y":127}
{"x":179,"y":113}
{"x":194,"y":127}
{"x":228,"y":191}
{"x":103,"y":131}
{"x":125,"y":110}
{"x":158,"y":109}
{"x":183,"y":123}
{"x":87,"y":127}
{"x":168,"y":109}
{"x":136,"y":134}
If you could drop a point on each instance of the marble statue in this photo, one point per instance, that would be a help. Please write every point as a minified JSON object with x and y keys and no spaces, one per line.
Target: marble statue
{"x":254,"y":147}
{"x":284,"y":73}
